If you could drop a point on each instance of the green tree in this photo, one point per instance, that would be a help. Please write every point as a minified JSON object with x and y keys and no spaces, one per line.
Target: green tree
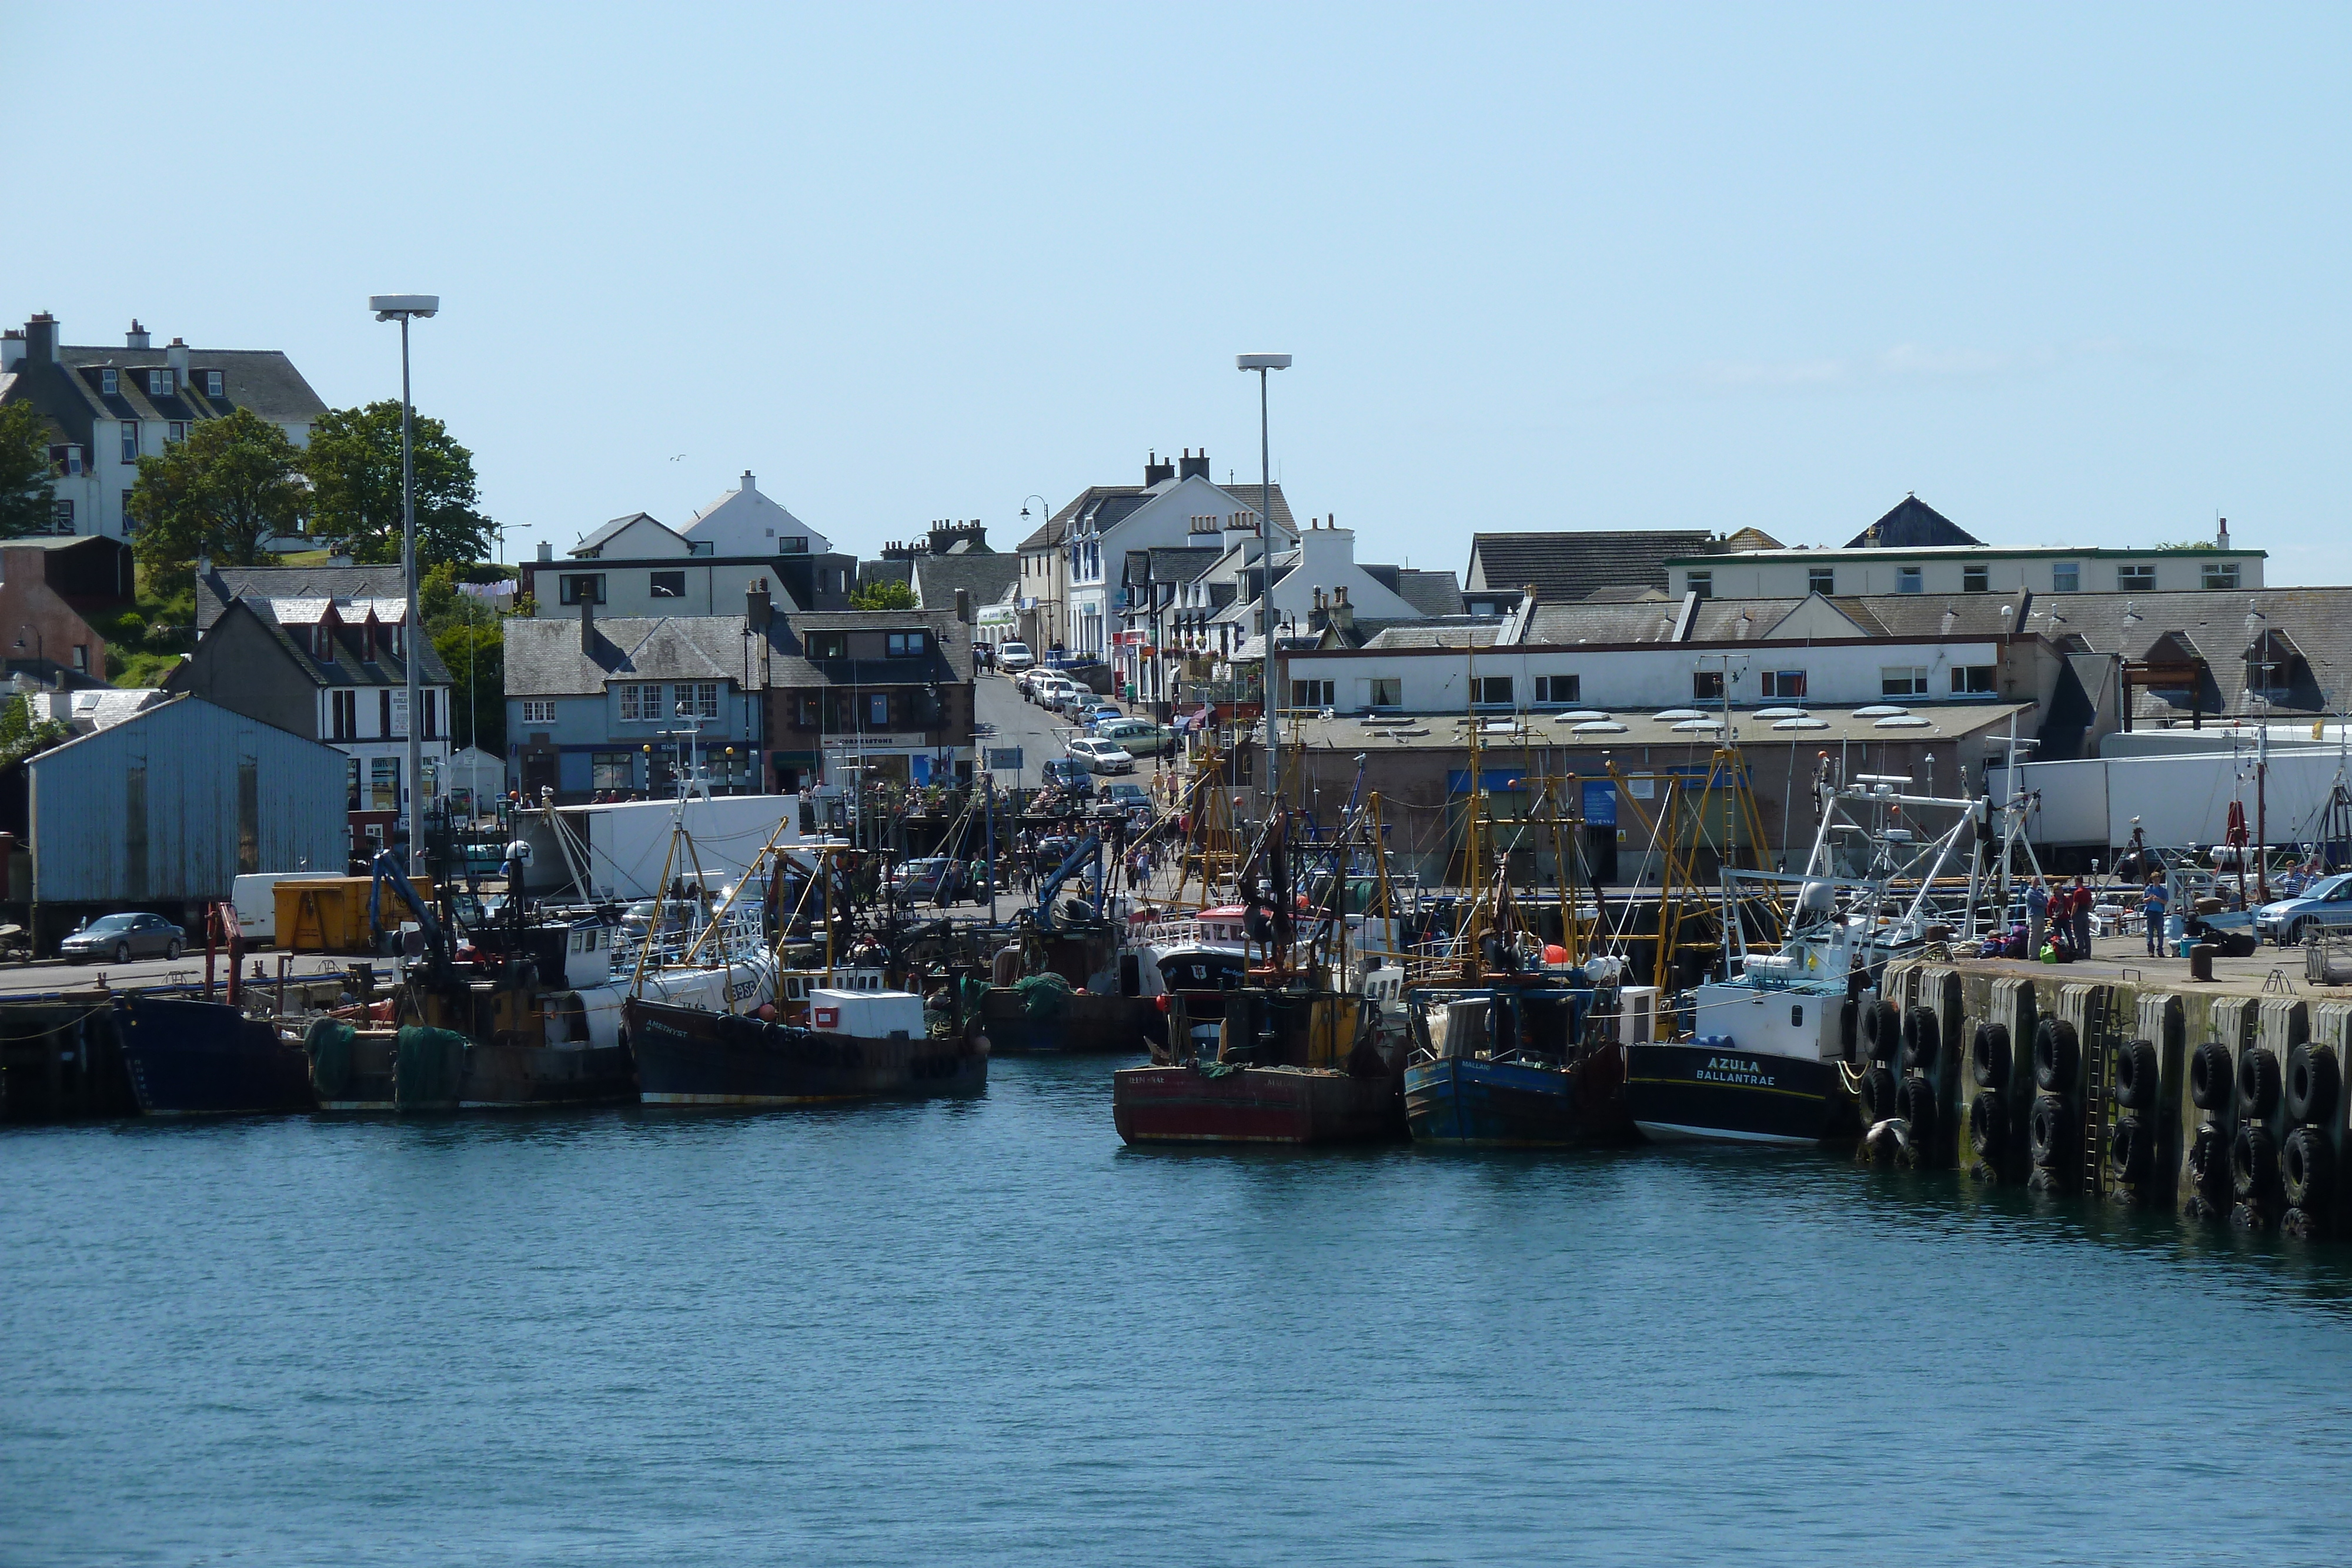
{"x":883,"y":594}
{"x":20,"y":737}
{"x":24,"y":471}
{"x":354,"y":466}
{"x":470,"y":637}
{"x":221,"y":490}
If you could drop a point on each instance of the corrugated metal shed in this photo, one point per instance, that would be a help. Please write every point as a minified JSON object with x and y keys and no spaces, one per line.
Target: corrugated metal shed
{"x":173,"y":804}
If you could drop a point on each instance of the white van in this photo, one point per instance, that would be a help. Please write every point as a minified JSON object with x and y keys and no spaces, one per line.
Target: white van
{"x":1014,"y":658}
{"x":256,"y":898}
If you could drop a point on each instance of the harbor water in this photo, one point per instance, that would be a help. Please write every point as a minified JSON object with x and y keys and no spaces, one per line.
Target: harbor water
{"x":983,"y":1332}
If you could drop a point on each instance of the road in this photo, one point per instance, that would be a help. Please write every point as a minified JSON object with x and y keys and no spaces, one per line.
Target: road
{"x":1041,"y":734}
{"x":34,"y":979}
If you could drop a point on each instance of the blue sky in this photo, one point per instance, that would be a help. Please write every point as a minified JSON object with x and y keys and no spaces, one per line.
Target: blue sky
{"x":2073,"y":275}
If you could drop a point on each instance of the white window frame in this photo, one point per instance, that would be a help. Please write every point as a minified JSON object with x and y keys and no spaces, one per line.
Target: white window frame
{"x":213,"y":383}
{"x":1821,"y":579}
{"x":1564,"y":688}
{"x":1393,"y":692}
{"x":1910,"y":580}
{"x":538,"y":710}
{"x":628,"y":690}
{"x":110,"y":381}
{"x":2220,"y":575}
{"x":2066,"y":577}
{"x":2135,"y":576}
{"x":1784,"y":686}
{"x":130,"y":440}
{"x":1903,"y":680}
{"x":159,"y":383}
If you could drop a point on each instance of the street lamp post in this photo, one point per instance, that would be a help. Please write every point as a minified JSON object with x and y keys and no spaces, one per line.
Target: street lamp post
{"x":1262,"y":363}
{"x":400,"y":307}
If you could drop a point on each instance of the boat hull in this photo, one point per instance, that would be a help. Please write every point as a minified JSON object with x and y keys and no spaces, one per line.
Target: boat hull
{"x":207,"y":1059}
{"x":424,"y":1070}
{"x":1197,"y":1104}
{"x":690,"y":1056}
{"x":1463,"y":1099}
{"x":1088,"y":1025}
{"x":1711,"y":1091}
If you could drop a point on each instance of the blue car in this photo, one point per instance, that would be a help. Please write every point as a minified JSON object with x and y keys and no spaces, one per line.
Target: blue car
{"x":2326,"y":904}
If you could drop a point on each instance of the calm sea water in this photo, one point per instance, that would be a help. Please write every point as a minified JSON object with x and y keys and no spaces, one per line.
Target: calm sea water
{"x":983,"y":1332}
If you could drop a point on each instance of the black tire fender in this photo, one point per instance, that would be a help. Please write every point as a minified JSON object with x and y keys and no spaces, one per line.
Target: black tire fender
{"x":1988,"y":1124}
{"x":2313,"y":1078}
{"x":1923,"y":1040}
{"x":2057,"y":1056}
{"x":2258,"y":1082}
{"x":2131,"y":1150}
{"x":2307,"y":1169}
{"x":1989,"y":1056}
{"x":1881,"y":1026}
{"x":2209,"y":1074}
{"x":2254,"y":1159}
{"x":1915,"y":1103}
{"x":2047,"y":1130}
{"x":1879,"y":1093}
{"x":2209,"y":1162}
{"x":2136,"y":1066}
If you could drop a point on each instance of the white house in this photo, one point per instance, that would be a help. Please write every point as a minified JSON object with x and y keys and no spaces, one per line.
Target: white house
{"x":745,"y":522}
{"x":637,"y":566}
{"x":107,"y":407}
{"x":1176,"y":505}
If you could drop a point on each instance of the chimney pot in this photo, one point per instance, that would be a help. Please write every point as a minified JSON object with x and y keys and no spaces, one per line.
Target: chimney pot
{"x":137,"y":337}
{"x":546,"y":551}
{"x":749,"y":482}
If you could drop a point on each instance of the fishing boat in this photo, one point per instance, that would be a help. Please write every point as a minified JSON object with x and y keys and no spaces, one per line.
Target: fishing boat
{"x":188,"y":1058}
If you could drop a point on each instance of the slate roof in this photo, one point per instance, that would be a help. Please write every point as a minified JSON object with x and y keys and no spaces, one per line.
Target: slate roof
{"x":1111,"y":502}
{"x":347,"y":664}
{"x":544,"y":657}
{"x":949,"y":659}
{"x":1468,"y":632}
{"x":68,"y":388}
{"x":986,"y":577}
{"x":1569,"y":566}
{"x":1913,"y":523}
{"x":216,"y":586}
{"x":1431,"y":592}
{"x":2315,"y":623}
{"x":885,"y":569}
{"x":597,"y":541}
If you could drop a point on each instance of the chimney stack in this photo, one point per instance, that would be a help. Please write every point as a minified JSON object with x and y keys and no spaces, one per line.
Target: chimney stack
{"x":757,"y":605}
{"x":41,"y":338}
{"x":1193,"y":467}
{"x":176,"y":356}
{"x":963,"y":605}
{"x":137,"y":337}
{"x":1154,"y":470}
{"x":1343,"y":615}
{"x":749,"y":485}
{"x":2221,"y":534}
{"x":546,"y":551}
{"x":12,"y":347}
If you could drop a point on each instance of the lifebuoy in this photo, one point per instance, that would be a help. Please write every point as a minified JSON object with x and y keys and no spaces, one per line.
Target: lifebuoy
{"x":2258,"y":1082}
{"x":1987,"y":1124}
{"x":2254,"y":1156}
{"x":2130,"y":1150}
{"x":2209,"y":1073}
{"x":1988,"y":1057}
{"x":2047,"y":1130}
{"x":2307,"y":1167}
{"x":2057,"y":1053}
{"x":2135,"y":1076}
{"x":2312,"y":1078}
{"x":1922,"y":1042}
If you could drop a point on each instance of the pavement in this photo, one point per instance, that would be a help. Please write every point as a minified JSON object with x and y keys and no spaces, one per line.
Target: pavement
{"x":2112,"y":957}
{"x":37,"y":979}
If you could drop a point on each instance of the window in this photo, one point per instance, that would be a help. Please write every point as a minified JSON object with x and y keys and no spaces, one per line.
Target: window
{"x":130,"y":440}
{"x":1700,"y":583}
{"x":612,"y":770}
{"x":2221,"y":574}
{"x":384,"y":711}
{"x":538,"y":711}
{"x":583,"y":589}
{"x":1707,"y":686}
{"x":2137,"y":578}
{"x":352,"y":786}
{"x":61,"y":516}
{"x":322,"y":644}
{"x":906,"y":645}
{"x":1491,"y":691}
{"x":384,"y":784}
{"x":177,"y":431}
{"x":809,"y":718}
{"x":159,"y":383}
{"x":1385,"y":691}
{"x":641,"y":704}
{"x":1314,"y":693}
{"x":212,"y":383}
{"x":1787,"y":685}
{"x":1973,"y":680}
{"x":1908,"y":579}
{"x":110,"y":382}
{"x":878,"y":711}
{"x":1560,"y":688}
{"x":828,"y":645}
{"x":691,"y":702}
{"x":430,"y":732}
{"x":1976,"y":580}
{"x":2066,"y":577}
{"x":668,"y":584}
{"x":344,"y":715}
{"x":704,"y":546}
{"x":1902,"y":681}
{"x":68,"y":460}
{"x":81,"y":655}
{"x":1821,"y":579}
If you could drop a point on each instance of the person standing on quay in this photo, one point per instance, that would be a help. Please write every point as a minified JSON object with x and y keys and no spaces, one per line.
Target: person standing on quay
{"x":2037,"y":910}
{"x":2154,"y":902}
{"x":2080,"y":908}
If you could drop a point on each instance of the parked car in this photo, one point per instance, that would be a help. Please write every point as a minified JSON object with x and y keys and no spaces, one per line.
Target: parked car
{"x":1122,"y":796}
{"x":1014,"y":657}
{"x":2326,"y":904}
{"x":1094,"y":713}
{"x":1138,"y":737}
{"x":935,"y":879}
{"x":1050,"y":690}
{"x":1070,"y":775}
{"x":122,"y":937}
{"x":1103,"y":755}
{"x":1062,"y":696}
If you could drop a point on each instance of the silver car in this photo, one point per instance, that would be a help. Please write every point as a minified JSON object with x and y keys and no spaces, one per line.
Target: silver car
{"x":122,"y":937}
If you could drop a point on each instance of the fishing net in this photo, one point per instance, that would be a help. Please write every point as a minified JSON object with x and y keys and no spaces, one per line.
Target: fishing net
{"x":1044,"y":997}
{"x":329,"y":1043}
{"x":428,"y":1066}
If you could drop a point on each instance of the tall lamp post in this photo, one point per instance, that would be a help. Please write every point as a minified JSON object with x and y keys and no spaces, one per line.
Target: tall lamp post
{"x":400,"y":307}
{"x":1262,"y":363}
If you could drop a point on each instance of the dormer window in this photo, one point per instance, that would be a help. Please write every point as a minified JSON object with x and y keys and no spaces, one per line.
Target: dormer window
{"x":367,"y":640}
{"x":828,"y":645}
{"x":110,"y":381}
{"x":159,"y":383}
{"x":322,"y":643}
{"x":212,"y":383}
{"x":906,"y":645}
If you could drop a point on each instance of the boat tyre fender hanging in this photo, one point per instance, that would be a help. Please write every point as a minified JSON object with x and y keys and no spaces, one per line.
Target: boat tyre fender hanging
{"x":2209,"y":1162}
{"x":2045,"y":1130}
{"x":2253,"y":1158}
{"x":1915,"y":1103}
{"x":1989,"y":1059}
{"x":2307,"y":1167}
{"x":1922,"y":1040}
{"x":2136,"y":1071}
{"x":2056,"y":1055}
{"x":1849,"y":1029}
{"x":2130,"y":1150}
{"x":2258,"y":1084}
{"x":1878,"y":1094}
{"x":2312,"y":1078}
{"x":2209,"y":1073}
{"x":1987,"y":1123}
{"x":1881,"y":1024}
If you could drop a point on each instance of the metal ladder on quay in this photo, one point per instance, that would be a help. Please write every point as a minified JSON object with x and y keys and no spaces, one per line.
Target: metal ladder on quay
{"x":2098,"y":1093}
